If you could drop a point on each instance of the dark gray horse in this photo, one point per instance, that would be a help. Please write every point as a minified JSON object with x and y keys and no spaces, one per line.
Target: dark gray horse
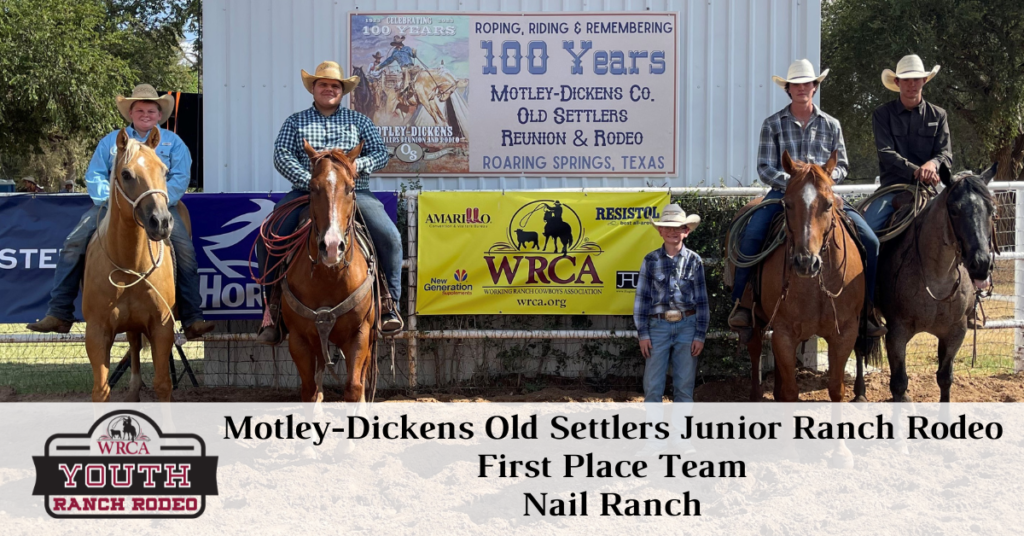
{"x":927,"y":276}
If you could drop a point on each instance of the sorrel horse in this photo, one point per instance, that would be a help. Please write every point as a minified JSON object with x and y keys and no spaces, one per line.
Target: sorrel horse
{"x":928,"y":275}
{"x":129,"y":269}
{"x":328,"y":293}
{"x":812,"y":285}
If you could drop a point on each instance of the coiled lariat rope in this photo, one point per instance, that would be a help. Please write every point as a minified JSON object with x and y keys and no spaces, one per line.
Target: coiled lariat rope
{"x":902,"y":219}
{"x":737,"y":229}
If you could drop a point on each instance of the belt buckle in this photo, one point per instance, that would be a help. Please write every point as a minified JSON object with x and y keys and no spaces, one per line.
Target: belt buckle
{"x":673,"y":315}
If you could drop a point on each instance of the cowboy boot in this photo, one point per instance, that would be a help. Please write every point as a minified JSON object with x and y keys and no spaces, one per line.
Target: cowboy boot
{"x":875,"y":327}
{"x":197,"y":329}
{"x":270,"y":333}
{"x":51,"y":324}
{"x":740,"y":317}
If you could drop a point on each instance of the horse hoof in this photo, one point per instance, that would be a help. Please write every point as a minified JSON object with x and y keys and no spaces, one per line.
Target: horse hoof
{"x":840,"y":461}
{"x":860,"y":398}
{"x":905,"y":399}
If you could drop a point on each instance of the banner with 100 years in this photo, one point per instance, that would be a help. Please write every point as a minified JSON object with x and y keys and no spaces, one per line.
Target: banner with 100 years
{"x":512,"y":93}
{"x":533,"y":252}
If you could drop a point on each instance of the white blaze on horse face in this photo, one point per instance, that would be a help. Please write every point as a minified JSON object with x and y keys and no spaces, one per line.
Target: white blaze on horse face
{"x":332,"y":239}
{"x":808,"y":195}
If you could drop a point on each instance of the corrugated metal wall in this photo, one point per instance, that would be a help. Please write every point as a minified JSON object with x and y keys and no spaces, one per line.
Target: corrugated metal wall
{"x":253,"y":50}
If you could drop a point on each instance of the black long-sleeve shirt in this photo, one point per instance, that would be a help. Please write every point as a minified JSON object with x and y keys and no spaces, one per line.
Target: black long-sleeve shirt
{"x":907,"y":139}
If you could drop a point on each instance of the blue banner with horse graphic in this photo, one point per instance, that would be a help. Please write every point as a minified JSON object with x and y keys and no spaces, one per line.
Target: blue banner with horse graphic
{"x":224,"y":226}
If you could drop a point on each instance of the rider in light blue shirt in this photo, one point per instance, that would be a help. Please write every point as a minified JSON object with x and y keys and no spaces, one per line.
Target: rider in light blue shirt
{"x":146,"y":111}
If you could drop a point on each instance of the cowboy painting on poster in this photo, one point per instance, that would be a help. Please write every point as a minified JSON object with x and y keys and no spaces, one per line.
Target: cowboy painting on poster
{"x":414,"y":85}
{"x":554,"y":93}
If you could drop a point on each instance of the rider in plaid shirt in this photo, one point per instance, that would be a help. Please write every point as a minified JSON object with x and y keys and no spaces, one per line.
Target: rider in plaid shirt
{"x":810,"y":135}
{"x":328,"y":125}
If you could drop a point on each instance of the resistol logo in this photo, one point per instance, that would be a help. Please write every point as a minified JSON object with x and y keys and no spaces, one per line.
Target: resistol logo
{"x":471,"y":216}
{"x":125,"y":467}
{"x":546,"y":240}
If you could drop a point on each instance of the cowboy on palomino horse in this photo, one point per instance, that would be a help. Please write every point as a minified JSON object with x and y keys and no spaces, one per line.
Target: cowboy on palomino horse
{"x":808,"y":135}
{"x":325,"y":126}
{"x":146,"y":111}
{"x":928,"y":269}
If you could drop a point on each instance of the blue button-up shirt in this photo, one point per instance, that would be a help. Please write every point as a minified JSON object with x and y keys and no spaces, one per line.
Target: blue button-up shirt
{"x":402,"y":55}
{"x":172,"y":152}
{"x":814,"y":144}
{"x":341,"y":130}
{"x":671,"y":283}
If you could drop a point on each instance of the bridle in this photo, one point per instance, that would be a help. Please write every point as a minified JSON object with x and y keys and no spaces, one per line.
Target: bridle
{"x":313,"y":242}
{"x":134,"y":203}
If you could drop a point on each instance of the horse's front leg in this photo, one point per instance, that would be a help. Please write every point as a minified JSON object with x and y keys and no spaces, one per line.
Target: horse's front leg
{"x":358,"y":361}
{"x":948,"y":348}
{"x":784,"y":346}
{"x":896,"y":350}
{"x":98,"y":340}
{"x":754,"y":348}
{"x":304,"y":350}
{"x":839,"y":348}
{"x":135,"y":350}
{"x":161,"y":337}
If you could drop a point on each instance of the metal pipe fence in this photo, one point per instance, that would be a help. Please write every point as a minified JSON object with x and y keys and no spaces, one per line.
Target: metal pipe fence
{"x":524,"y":351}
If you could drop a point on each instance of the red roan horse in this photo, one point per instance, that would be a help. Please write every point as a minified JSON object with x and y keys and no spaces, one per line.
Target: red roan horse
{"x":328,"y":288}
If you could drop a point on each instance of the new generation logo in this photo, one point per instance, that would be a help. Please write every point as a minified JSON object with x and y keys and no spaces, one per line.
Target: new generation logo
{"x":125,"y":467}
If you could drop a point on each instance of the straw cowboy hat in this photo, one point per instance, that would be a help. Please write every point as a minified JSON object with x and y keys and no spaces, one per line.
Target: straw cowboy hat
{"x":331,"y":71}
{"x":674,"y":216}
{"x":800,"y":72}
{"x":909,"y":67}
{"x":145,"y":92}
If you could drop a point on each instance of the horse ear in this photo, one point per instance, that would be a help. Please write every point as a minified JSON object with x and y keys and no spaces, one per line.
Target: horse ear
{"x":122,"y":139}
{"x":990,"y":173}
{"x":354,"y":153}
{"x":310,"y":151}
{"x":833,"y":160}
{"x":945,"y":175}
{"x":154,"y":138}
{"x":787,"y":162}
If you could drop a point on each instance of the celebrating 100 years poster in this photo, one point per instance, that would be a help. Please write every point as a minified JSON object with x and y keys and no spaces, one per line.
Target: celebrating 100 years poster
{"x":510,"y":94}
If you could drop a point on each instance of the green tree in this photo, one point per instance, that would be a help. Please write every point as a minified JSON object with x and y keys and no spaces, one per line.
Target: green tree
{"x":978,"y":43}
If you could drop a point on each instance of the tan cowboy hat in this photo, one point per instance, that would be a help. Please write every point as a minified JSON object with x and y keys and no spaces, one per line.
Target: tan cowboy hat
{"x":145,"y":92}
{"x":909,"y":67}
{"x":800,"y":72}
{"x":331,"y":71}
{"x":674,"y":216}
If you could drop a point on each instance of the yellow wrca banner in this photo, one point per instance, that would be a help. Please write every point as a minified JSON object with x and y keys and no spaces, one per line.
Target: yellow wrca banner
{"x":533,"y":252}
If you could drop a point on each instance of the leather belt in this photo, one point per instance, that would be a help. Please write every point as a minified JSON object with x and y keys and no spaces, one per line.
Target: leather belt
{"x":674,"y":315}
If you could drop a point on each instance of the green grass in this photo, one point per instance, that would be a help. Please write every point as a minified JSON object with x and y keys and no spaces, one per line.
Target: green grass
{"x":65,"y":368}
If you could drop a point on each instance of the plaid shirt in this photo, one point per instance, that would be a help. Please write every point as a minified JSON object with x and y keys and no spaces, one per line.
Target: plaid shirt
{"x":814,"y":144}
{"x":661,"y":288}
{"x":342,"y":130}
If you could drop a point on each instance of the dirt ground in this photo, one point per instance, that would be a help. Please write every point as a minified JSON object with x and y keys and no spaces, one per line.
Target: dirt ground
{"x":813,"y":386}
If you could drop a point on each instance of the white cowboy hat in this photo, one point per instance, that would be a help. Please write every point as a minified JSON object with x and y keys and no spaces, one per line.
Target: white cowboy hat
{"x":909,"y":67}
{"x":145,"y":92}
{"x":674,"y":216}
{"x":331,"y":71}
{"x":800,"y":72}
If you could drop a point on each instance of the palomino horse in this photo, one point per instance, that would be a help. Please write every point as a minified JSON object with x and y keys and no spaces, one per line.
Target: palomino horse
{"x":926,"y":274}
{"x":812,"y":285}
{"x":328,"y":288}
{"x":129,"y":269}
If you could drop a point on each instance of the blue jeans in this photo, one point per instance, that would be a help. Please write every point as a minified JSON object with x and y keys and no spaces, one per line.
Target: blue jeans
{"x":387,"y":241}
{"x":757,"y":231}
{"x":71,"y":269}
{"x":879,"y":212}
{"x":670,"y":343}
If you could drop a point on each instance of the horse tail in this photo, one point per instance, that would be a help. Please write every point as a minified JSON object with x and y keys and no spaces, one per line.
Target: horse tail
{"x":870,"y":348}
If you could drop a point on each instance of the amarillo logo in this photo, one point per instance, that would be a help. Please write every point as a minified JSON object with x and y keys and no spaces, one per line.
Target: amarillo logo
{"x":552,"y":233}
{"x":471,"y":216}
{"x":125,"y":467}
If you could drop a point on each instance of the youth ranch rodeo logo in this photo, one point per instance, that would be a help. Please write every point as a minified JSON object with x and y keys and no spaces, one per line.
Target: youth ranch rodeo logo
{"x":546,"y":241}
{"x":125,"y":467}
